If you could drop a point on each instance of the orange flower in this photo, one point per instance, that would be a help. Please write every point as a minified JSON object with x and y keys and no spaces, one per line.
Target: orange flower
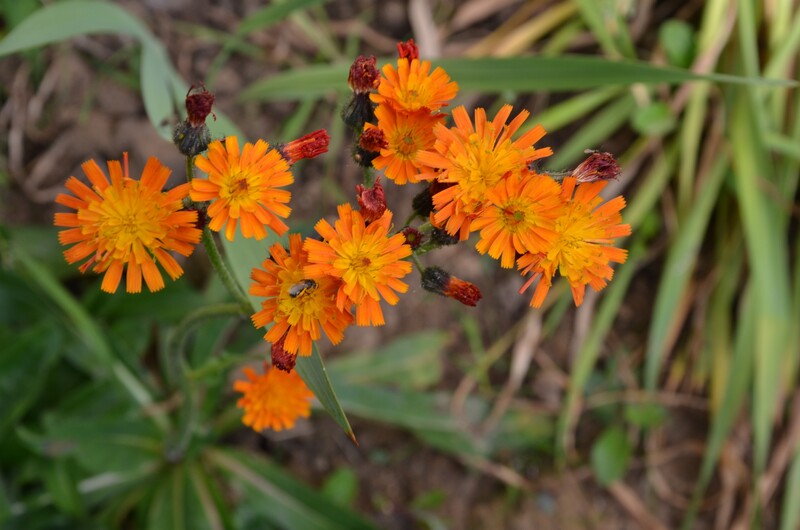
{"x":368,"y":262}
{"x":413,"y":87}
{"x":475,"y":159}
{"x":586,"y":230}
{"x":244,"y":187}
{"x":406,"y":135}
{"x":274,"y":400}
{"x":127,"y":223}
{"x":296,"y":306}
{"x":519,"y":217}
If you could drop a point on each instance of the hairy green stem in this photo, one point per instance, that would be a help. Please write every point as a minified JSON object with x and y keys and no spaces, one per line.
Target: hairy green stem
{"x":224,"y":274}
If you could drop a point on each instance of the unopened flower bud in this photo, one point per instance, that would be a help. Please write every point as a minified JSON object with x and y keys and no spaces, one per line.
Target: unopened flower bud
{"x":308,"y":146}
{"x":439,"y":281}
{"x":371,"y":200}
{"x":281,"y":359}
{"x":422,"y":203}
{"x":413,"y":237}
{"x":364,"y":75}
{"x":191,"y":136}
{"x":598,"y":166}
{"x":442,"y":238}
{"x":359,"y":111}
{"x":407,"y":50}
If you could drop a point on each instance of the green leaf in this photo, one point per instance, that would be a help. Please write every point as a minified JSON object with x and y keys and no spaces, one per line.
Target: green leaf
{"x":645,"y":415}
{"x":60,"y":478}
{"x":313,"y":372}
{"x":341,"y":486}
{"x":412,"y":362}
{"x":655,"y":119}
{"x":610,"y":456}
{"x":269,"y":494}
{"x":25,"y":361}
{"x":522,"y":74}
{"x":678,"y":40}
{"x":180,"y":502}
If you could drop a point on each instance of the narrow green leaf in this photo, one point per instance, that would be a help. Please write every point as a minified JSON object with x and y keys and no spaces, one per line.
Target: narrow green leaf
{"x":271,"y":495}
{"x":790,"y":510}
{"x":271,"y":14}
{"x":60,"y":478}
{"x":313,"y":372}
{"x":570,"y":72}
{"x":610,"y":455}
{"x":341,"y":486}
{"x":63,"y":20}
{"x":24,"y":364}
{"x":678,"y":270}
{"x":412,"y":362}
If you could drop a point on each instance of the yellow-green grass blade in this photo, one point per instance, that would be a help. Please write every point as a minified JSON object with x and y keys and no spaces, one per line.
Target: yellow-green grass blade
{"x":520,"y":74}
{"x":678,"y":269}
{"x":767,"y":255}
{"x":610,"y":29}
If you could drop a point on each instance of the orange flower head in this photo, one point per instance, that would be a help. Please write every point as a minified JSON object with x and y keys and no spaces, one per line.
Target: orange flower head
{"x":244,"y":187}
{"x":583,"y":248}
{"x":127,"y":223}
{"x":406,"y":135}
{"x":298,"y":307}
{"x":413,"y":87}
{"x":475,"y":159}
{"x":519,"y":217}
{"x":368,"y":262}
{"x":273,"y":400}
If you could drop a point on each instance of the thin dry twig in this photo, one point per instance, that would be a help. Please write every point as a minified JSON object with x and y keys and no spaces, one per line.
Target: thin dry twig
{"x":631,"y":502}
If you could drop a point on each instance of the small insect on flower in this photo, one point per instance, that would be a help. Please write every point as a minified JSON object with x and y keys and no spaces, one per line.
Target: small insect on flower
{"x":302,"y":287}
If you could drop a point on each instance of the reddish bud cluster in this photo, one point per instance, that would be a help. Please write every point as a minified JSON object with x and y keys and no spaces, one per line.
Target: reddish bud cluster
{"x":308,"y":146}
{"x":598,"y":166}
{"x":373,"y":139}
{"x":407,"y":50}
{"x":364,"y":75}
{"x":281,"y":359}
{"x":198,"y":105}
{"x":372,"y":201}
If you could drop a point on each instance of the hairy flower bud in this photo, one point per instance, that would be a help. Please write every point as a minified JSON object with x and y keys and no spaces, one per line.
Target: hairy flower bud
{"x":191,"y":136}
{"x":439,"y":281}
{"x":598,"y":166}
{"x":442,"y":238}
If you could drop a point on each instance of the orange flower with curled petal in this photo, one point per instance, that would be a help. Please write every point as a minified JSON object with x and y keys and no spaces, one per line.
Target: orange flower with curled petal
{"x":519,"y":217}
{"x":582,"y":251}
{"x":365,"y":258}
{"x":475,"y":158}
{"x":244,"y":187}
{"x":273,"y":400}
{"x":413,"y":87}
{"x":127,"y":224}
{"x":297,"y":308}
{"x":406,"y":135}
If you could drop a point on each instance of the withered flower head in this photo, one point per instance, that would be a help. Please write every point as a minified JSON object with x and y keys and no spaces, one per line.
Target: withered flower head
{"x":407,"y":50}
{"x":413,"y":237}
{"x":598,"y":166}
{"x":439,"y":281}
{"x":369,"y":146}
{"x":281,"y":359}
{"x":364,"y":75}
{"x":372,"y":201}
{"x":308,"y":146}
{"x":198,"y":105}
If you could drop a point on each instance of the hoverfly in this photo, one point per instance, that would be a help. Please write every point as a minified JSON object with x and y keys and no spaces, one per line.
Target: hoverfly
{"x":301,"y":287}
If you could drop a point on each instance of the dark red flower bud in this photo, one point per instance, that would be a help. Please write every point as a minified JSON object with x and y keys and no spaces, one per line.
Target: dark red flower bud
{"x":198,"y":105}
{"x":371,"y":200}
{"x":364,"y":75}
{"x":281,"y":359}
{"x":373,"y":139}
{"x":308,"y":146}
{"x":439,"y":281}
{"x":408,"y":50}
{"x":413,"y":237}
{"x":599,"y":166}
